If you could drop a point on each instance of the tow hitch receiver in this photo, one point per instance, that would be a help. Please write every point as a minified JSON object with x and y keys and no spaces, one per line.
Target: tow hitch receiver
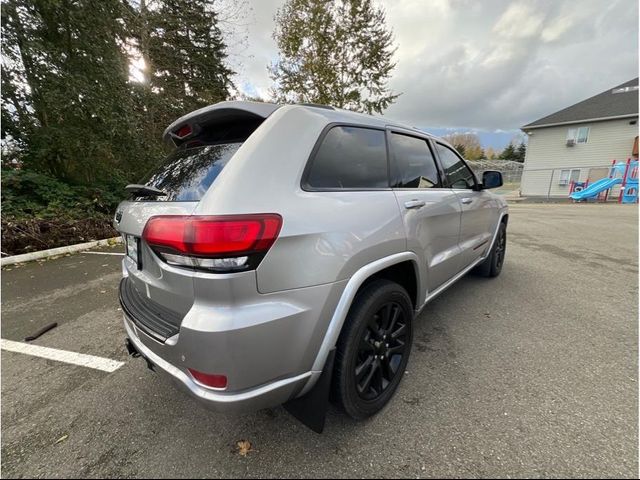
{"x":131,"y":348}
{"x":133,"y":352}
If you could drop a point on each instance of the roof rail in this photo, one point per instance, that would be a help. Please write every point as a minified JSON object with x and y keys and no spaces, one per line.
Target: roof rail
{"x":316,"y":105}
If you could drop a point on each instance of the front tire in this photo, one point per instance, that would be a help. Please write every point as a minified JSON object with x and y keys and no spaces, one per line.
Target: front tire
{"x":492,"y":266}
{"x":373,"y":348}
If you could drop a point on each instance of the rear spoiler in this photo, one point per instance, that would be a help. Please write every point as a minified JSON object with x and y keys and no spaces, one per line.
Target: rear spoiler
{"x":219,"y":113}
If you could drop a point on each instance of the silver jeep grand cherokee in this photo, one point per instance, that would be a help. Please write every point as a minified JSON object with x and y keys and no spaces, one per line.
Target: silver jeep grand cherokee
{"x":281,"y":254}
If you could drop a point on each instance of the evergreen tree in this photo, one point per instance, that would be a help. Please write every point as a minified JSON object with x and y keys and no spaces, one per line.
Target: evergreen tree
{"x":68,"y":106}
{"x":509,"y":153}
{"x":66,"y":93}
{"x":521,"y":152}
{"x":187,"y":56}
{"x":336,"y":52}
{"x":70,"y":110}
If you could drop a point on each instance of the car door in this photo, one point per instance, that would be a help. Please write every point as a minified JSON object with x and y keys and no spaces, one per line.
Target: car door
{"x":478,"y":207}
{"x":431,"y":211}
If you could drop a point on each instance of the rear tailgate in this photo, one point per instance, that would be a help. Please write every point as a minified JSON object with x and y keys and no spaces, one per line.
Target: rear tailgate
{"x":207,"y":139}
{"x":166,"y":286}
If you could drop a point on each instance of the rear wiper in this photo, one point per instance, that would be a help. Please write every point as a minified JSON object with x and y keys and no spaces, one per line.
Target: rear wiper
{"x":144,"y":190}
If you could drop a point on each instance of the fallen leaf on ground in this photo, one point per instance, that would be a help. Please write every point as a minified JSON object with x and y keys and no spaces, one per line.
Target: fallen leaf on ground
{"x":243,"y":447}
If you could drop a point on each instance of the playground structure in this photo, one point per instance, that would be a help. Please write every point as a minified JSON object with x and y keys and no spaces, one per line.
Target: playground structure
{"x":623,"y":174}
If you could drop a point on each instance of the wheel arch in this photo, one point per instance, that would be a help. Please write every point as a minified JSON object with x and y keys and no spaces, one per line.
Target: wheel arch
{"x":404,"y":274}
{"x":383,"y":267}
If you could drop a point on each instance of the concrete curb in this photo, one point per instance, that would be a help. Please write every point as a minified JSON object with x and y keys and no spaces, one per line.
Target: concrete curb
{"x":52,"y":252}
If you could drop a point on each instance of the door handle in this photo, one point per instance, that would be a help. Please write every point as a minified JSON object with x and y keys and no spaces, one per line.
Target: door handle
{"x":467,"y":200}
{"x":414,"y":204}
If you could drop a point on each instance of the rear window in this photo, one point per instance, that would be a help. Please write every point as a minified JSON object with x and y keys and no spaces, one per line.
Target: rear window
{"x":186,"y":175}
{"x":350,"y":157}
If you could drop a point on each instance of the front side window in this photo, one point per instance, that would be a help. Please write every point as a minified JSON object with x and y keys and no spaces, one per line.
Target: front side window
{"x":414,"y":165}
{"x":350,"y":158}
{"x":458,"y":174}
{"x":578,"y":135}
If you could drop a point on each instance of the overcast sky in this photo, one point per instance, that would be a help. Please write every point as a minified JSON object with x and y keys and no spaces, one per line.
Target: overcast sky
{"x":490,"y":65}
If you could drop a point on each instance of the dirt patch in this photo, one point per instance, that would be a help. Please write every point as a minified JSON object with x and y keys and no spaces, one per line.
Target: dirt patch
{"x":33,"y":234}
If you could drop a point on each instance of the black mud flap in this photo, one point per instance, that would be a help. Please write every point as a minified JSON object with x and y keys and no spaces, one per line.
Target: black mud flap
{"x":311,"y":409}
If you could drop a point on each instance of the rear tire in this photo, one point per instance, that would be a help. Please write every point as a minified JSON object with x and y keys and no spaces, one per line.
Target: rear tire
{"x":492,"y":266}
{"x":373,"y":349}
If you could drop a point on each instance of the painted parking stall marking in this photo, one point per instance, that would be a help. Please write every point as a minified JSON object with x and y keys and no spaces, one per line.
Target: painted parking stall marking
{"x":64,"y":356}
{"x":105,"y":253}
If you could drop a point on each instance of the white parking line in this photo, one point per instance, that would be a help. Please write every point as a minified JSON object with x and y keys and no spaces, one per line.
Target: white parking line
{"x":89,"y":361}
{"x":105,"y":253}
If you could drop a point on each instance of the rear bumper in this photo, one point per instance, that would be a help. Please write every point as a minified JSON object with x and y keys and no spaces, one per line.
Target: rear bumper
{"x":269,"y":395}
{"x":265,"y":344}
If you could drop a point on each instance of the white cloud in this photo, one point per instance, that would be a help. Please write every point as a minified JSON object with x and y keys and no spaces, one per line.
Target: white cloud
{"x":487,"y":65}
{"x":521,"y":20}
{"x":557,"y":28}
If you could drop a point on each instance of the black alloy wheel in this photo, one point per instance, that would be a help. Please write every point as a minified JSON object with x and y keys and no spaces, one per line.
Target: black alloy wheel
{"x":373,"y":348}
{"x":381,"y":349}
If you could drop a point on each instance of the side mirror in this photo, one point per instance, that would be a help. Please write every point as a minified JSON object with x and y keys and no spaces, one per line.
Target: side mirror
{"x":491,"y":179}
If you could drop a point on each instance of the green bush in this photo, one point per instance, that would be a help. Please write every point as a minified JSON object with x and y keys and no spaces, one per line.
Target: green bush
{"x":27,"y":194}
{"x":40,"y":211}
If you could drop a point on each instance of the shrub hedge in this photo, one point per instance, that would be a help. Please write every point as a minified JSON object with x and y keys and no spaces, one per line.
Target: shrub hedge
{"x":40,"y":211}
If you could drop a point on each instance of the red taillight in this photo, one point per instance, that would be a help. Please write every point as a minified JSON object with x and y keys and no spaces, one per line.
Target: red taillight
{"x":222,"y":237}
{"x":184,"y":131}
{"x":166,"y":232}
{"x":209,"y":380}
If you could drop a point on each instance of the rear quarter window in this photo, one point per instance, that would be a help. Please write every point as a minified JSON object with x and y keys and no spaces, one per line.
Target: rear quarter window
{"x":186,"y":175}
{"x":349,"y":158}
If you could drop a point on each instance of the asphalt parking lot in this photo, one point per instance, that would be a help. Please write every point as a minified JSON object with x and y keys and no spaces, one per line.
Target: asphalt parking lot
{"x":530,"y":374}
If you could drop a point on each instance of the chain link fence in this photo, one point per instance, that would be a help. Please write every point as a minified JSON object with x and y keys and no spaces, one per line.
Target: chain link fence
{"x":510,"y":169}
{"x":557,"y":183}
{"x":549,"y":183}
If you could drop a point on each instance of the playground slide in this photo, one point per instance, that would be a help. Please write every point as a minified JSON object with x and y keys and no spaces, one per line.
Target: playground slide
{"x":595,"y":188}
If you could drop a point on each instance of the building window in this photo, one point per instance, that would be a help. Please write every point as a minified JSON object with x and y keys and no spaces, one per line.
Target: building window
{"x":567,"y":176}
{"x":578,"y":135}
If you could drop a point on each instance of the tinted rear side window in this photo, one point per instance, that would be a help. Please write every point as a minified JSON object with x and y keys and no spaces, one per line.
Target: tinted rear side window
{"x":350,"y":157}
{"x":186,"y":175}
{"x":413,"y":165}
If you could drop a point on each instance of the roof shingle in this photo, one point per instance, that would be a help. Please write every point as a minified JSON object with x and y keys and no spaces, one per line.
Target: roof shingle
{"x":604,"y":105}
